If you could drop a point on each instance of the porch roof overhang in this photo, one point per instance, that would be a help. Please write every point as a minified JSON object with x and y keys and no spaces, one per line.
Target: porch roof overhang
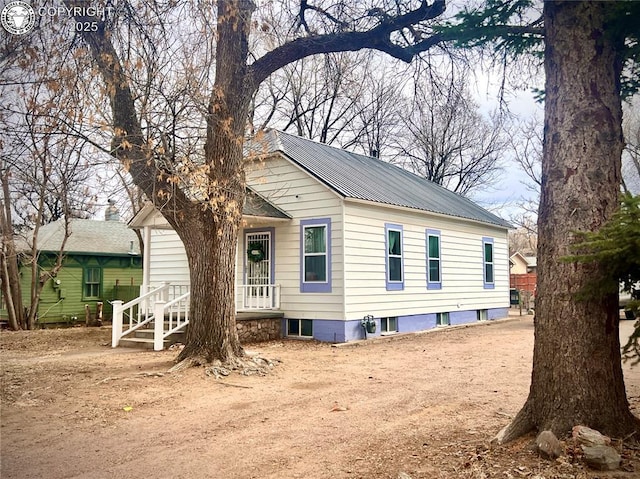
{"x":256,"y":210}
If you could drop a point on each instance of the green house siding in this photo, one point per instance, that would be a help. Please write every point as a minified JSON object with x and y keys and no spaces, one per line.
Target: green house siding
{"x":83,"y":279}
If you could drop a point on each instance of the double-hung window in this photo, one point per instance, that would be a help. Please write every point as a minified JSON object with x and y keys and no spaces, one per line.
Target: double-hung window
{"x":315,"y":255}
{"x":434,"y":265}
{"x":92,"y":279}
{"x":394,"y":259}
{"x":487,"y":260}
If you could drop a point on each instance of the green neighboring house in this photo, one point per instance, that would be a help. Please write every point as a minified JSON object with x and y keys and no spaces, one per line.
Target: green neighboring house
{"x":102,"y":262}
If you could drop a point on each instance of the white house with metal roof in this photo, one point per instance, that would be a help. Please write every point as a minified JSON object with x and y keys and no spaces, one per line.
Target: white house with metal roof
{"x":331,"y":237}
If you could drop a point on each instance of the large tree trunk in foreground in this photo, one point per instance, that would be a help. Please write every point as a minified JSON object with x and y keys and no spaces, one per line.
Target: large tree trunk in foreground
{"x":211,"y":259}
{"x":577,"y":374}
{"x":211,"y":238}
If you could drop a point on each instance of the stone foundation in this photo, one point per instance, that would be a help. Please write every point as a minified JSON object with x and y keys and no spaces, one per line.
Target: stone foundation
{"x":255,"y":330}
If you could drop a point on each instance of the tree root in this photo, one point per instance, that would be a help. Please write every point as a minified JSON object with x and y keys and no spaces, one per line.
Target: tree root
{"x":247,"y":366}
{"x":521,"y":425}
{"x":188,"y":363}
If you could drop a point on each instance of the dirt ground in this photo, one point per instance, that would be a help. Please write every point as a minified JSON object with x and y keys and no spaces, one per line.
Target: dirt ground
{"x":425,"y":405}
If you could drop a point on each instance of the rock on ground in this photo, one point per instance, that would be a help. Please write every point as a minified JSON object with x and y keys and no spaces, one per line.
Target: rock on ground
{"x":589,"y":437}
{"x":603,"y":458}
{"x":549,"y":445}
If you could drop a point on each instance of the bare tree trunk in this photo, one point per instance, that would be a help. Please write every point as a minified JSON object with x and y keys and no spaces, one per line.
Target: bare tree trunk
{"x":6,"y":293}
{"x":211,"y":241}
{"x":577,"y":374}
{"x":211,"y":262}
{"x":10,"y":271}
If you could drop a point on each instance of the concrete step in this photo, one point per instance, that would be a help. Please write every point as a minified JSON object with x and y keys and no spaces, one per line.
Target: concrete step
{"x":148,"y":334}
{"x":139,"y":343}
{"x":143,"y":339}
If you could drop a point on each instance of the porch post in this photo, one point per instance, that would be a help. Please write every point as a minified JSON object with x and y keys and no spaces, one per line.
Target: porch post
{"x":146,"y":259}
{"x":158,"y":326}
{"x":116,"y":323}
{"x":237,"y":286}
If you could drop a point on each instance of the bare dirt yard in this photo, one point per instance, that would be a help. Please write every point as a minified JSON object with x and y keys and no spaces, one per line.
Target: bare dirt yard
{"x":424,"y":405}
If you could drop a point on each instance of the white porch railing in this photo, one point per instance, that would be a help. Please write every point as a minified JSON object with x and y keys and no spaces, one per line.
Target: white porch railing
{"x":170,"y":304}
{"x":259,"y":296}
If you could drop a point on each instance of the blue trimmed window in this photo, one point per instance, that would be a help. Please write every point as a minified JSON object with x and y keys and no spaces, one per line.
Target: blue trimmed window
{"x":394,"y":257}
{"x":434,"y":263}
{"x":315,"y":255}
{"x":488,"y":272}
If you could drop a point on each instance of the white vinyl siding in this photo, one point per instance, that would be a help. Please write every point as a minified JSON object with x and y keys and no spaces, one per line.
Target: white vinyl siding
{"x":304,"y":198}
{"x":462,"y":272}
{"x":168,"y":259}
{"x":358,"y":253}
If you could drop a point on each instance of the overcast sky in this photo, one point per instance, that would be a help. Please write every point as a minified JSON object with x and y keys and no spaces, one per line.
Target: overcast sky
{"x":510,"y":190}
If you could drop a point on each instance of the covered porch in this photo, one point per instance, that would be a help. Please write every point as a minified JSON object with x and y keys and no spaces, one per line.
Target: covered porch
{"x":165,"y":293}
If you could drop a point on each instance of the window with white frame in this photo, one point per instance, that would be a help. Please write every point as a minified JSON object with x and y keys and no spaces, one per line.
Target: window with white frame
{"x":394,"y":259}
{"x":315,"y":256}
{"x":300,"y":327}
{"x":488,"y":264}
{"x":389,"y":325}
{"x":434,"y":266}
{"x":482,"y":315}
{"x":442,"y":319}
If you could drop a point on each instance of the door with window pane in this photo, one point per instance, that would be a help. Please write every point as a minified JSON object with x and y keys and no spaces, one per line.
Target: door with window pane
{"x":258,"y":270}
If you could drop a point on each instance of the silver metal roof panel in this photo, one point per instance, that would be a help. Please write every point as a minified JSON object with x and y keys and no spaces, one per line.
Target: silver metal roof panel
{"x":357,"y":176}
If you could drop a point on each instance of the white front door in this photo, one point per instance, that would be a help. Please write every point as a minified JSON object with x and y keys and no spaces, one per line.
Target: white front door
{"x":258,"y":270}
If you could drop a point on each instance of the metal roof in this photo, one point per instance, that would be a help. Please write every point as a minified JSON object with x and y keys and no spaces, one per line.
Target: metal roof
{"x":89,"y":237}
{"x":362,"y":177}
{"x":256,"y":205}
